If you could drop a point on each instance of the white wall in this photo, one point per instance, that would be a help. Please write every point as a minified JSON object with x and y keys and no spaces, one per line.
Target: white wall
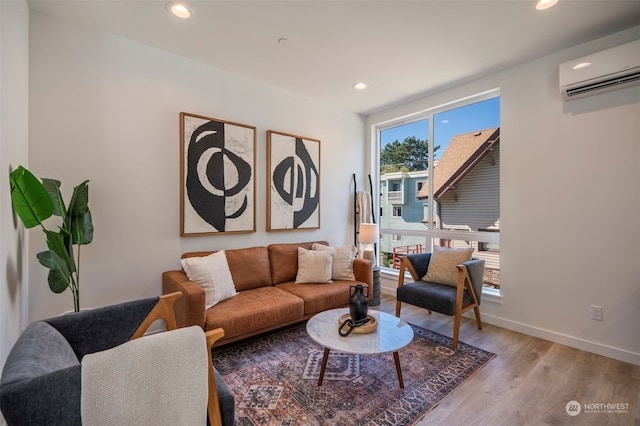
{"x":106,"y":109}
{"x":14,"y":90}
{"x":570,"y":204}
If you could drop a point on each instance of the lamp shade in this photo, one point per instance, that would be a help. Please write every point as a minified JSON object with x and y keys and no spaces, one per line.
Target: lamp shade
{"x":369,"y":233}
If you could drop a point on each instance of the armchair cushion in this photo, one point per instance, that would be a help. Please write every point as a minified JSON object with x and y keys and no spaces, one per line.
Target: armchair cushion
{"x":432,"y":296}
{"x":442,"y":266}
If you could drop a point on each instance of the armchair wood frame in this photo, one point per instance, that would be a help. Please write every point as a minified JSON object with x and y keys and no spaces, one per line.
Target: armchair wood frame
{"x":464,"y":282}
{"x":164,"y":310}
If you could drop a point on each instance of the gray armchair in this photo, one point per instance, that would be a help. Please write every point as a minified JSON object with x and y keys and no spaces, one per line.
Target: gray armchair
{"x":41,"y":381}
{"x":444,"y":299}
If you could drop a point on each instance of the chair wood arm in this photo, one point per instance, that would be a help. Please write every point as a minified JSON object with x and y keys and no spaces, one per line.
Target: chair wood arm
{"x":464,"y":282}
{"x":213,"y":406}
{"x":405,"y":265}
{"x":163,"y":310}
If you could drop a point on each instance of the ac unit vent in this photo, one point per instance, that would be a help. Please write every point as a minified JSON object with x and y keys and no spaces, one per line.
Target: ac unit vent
{"x":612,"y":84}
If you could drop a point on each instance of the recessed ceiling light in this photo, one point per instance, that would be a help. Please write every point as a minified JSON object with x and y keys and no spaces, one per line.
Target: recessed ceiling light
{"x":360,"y":86}
{"x":581,"y":65}
{"x":545,"y":4}
{"x":181,"y":10}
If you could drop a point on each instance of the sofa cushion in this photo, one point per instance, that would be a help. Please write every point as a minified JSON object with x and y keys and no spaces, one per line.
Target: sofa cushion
{"x":249,"y":267}
{"x":41,"y":349}
{"x":314,"y":266}
{"x":253,"y":310}
{"x":284,"y":260}
{"x":212,"y":274}
{"x":320,"y":297}
{"x":342,"y":264}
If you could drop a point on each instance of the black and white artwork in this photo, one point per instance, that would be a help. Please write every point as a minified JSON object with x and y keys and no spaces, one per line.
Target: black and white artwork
{"x":293,"y":194}
{"x":217,"y":172}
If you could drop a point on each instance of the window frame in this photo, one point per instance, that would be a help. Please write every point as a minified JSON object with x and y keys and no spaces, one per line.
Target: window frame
{"x":431,"y":233}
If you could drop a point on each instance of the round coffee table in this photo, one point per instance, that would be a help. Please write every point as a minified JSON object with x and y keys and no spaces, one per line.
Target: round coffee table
{"x":391,"y":335}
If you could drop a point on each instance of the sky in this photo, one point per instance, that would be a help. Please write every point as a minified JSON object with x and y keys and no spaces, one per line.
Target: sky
{"x":469,"y":118}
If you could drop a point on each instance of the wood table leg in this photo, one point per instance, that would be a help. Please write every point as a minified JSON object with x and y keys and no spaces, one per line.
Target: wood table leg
{"x":396,"y":358}
{"x":323,"y":366}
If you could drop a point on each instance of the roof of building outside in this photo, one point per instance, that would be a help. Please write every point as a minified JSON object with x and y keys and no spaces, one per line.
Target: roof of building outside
{"x":461,"y":156}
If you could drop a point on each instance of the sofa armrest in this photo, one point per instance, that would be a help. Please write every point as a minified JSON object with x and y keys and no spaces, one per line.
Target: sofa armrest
{"x":189,"y":309}
{"x":363,"y":271}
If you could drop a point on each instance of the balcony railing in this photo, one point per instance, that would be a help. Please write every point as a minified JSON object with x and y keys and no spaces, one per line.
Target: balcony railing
{"x":396,"y":197}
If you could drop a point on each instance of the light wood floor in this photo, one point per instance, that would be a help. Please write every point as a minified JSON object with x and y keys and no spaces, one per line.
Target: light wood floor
{"x":530,"y":381}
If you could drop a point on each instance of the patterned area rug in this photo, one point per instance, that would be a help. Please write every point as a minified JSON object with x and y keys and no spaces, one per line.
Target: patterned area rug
{"x":274,"y":379}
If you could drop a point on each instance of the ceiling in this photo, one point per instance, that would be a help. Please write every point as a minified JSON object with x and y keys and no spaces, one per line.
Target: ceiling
{"x":401,"y":49}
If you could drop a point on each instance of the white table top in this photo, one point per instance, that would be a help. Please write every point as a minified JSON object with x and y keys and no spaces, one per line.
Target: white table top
{"x":392,"y":333}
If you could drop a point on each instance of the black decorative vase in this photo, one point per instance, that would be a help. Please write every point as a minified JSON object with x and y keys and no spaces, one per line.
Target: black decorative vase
{"x":358,"y":302}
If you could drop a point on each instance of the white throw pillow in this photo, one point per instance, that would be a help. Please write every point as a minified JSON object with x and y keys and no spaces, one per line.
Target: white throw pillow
{"x":213,"y":275}
{"x":314,"y":267}
{"x":442,"y":267}
{"x":342,"y":266}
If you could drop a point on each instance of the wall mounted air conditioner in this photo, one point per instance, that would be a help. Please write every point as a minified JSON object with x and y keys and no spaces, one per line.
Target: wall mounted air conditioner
{"x":600,"y":72}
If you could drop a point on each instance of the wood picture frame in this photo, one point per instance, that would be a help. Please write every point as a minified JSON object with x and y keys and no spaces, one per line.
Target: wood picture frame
{"x":293,"y":182}
{"x":217,"y":176}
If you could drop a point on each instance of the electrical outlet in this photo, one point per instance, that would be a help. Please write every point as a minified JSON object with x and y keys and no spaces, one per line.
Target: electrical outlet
{"x":596,"y":313}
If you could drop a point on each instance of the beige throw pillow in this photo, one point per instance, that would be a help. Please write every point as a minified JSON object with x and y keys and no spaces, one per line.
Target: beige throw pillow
{"x":213,"y":275}
{"x":314,"y":267}
{"x":442,"y":266}
{"x":342,"y":266}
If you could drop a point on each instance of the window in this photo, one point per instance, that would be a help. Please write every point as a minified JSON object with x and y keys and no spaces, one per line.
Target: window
{"x":452,"y":153}
{"x":418,"y":188}
{"x":396,"y":238}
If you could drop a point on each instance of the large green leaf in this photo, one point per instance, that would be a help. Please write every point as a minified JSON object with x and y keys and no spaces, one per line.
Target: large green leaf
{"x":79,"y":200}
{"x":29,"y":198}
{"x":82,"y":228}
{"x":53,"y":188}
{"x":58,"y":244}
{"x":57,"y":282}
{"x":59,"y":276}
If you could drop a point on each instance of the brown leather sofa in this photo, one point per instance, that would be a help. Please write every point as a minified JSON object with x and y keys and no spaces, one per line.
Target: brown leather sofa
{"x":268,"y":297}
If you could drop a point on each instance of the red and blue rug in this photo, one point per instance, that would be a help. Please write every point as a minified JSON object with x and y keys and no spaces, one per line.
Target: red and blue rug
{"x":274,"y":379}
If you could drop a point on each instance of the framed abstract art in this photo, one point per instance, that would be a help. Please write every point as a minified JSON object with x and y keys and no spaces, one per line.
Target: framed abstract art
{"x":293,"y":184}
{"x":217,"y":176}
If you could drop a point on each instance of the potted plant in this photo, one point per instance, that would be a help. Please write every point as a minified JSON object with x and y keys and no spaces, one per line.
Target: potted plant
{"x":35,"y":201}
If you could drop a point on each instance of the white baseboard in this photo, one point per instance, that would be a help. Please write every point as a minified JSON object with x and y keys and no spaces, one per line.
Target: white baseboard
{"x":553,"y":336}
{"x":574,"y":342}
